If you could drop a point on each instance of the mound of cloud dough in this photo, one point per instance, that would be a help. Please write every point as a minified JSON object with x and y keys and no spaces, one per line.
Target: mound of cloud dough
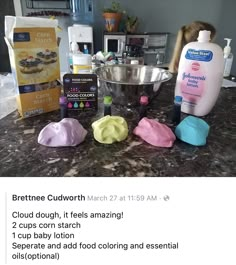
{"x":155,"y":133}
{"x":110,"y":129}
{"x":67,"y":132}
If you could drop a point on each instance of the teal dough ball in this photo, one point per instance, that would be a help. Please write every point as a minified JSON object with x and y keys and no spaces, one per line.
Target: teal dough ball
{"x":192,"y":130}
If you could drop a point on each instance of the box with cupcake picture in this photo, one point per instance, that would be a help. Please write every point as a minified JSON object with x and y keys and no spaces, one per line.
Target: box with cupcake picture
{"x":34,"y":57}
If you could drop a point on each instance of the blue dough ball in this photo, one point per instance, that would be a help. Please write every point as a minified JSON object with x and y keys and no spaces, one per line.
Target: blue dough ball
{"x":192,"y":130}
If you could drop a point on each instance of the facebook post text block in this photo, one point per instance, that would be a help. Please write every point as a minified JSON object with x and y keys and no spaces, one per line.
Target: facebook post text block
{"x":113,"y":221}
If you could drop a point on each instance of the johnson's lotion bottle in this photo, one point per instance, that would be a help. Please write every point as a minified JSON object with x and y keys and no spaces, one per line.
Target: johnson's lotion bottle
{"x":200,"y":75}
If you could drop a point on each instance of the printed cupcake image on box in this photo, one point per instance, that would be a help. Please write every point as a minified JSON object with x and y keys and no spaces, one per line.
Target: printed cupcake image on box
{"x":36,"y":66}
{"x":30,"y":65}
{"x":47,"y":56}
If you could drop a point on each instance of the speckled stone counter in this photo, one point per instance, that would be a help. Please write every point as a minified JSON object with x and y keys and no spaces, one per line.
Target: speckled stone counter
{"x":21,"y":155}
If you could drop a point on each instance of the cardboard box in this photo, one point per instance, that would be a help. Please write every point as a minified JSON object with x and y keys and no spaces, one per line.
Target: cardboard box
{"x":34,"y":58}
{"x":81,"y":91}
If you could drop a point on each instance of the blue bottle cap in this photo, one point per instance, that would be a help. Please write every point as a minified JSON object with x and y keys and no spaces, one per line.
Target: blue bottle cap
{"x":178,"y":99}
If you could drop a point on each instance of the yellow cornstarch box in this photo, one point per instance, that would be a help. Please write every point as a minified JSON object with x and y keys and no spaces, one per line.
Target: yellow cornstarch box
{"x":34,"y":57}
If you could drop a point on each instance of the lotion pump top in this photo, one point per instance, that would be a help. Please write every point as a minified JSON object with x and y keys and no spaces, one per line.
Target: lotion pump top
{"x":227,"y":48}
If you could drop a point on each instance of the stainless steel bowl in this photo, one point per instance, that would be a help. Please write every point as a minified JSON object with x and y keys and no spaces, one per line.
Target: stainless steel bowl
{"x":125,"y":83}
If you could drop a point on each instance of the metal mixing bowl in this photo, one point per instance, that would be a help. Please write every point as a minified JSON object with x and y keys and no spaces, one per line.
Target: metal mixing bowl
{"x":127,"y":82}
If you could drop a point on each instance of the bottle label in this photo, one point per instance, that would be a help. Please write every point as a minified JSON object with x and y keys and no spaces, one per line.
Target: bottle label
{"x":192,"y":85}
{"x":82,"y":69}
{"x":199,"y":55}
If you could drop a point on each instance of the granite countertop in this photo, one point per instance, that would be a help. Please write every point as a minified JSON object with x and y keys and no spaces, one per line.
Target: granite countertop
{"x":21,"y":155}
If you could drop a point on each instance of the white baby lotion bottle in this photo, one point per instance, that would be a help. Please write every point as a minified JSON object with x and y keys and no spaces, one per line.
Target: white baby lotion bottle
{"x":200,"y":75}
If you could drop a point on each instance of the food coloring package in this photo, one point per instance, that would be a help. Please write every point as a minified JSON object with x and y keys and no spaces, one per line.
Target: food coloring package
{"x":81,"y":91}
